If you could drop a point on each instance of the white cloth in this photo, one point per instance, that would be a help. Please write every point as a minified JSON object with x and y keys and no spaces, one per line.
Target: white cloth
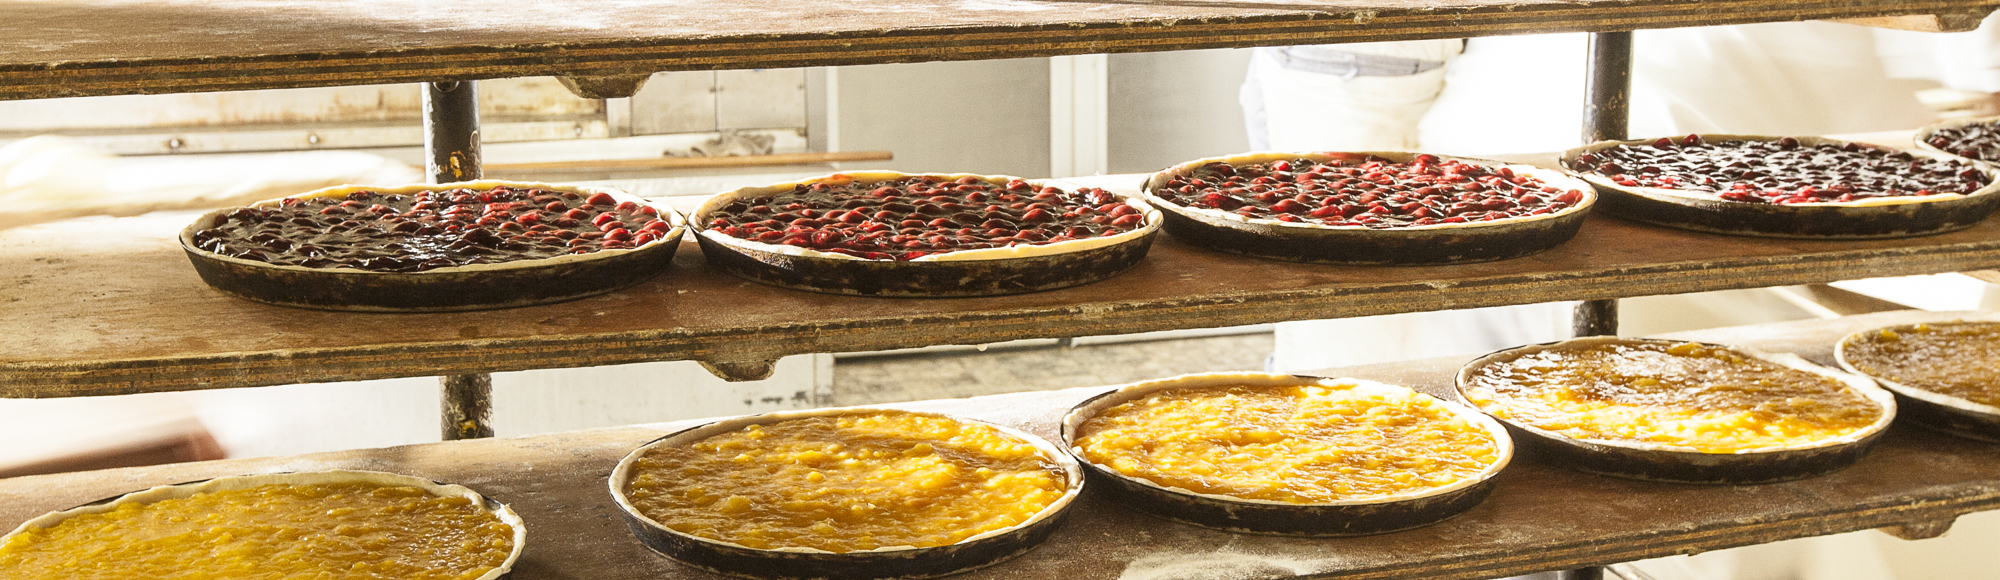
{"x":1510,"y":94}
{"x":47,"y":178}
{"x":1967,"y":61}
{"x":1520,"y":94}
{"x":1319,"y":111}
{"x":1781,"y":78}
{"x":1308,"y":111}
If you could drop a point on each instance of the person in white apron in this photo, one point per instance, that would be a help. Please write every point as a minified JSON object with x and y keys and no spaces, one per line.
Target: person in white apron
{"x":1525,"y":94}
{"x":1370,"y":97}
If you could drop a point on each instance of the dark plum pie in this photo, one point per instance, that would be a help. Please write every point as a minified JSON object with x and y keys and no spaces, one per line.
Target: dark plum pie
{"x":1369,"y":207}
{"x":1977,"y":139}
{"x":1786,"y":186}
{"x":1782,"y":171}
{"x":895,"y":234}
{"x":482,"y":244}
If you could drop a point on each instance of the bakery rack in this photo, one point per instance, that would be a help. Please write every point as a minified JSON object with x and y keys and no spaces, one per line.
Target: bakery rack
{"x":120,"y":313}
{"x":1539,"y":517}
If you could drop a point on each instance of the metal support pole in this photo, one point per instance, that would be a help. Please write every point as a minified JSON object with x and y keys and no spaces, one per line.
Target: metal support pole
{"x":451,"y":154}
{"x":1595,"y":318}
{"x":1606,"y":115}
{"x":451,"y":131}
{"x":1608,"y":111}
{"x":467,"y":406}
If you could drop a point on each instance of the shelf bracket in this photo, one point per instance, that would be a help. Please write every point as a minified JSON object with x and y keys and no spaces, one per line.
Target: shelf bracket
{"x":737,"y":371}
{"x":606,"y":86}
{"x":466,"y":406}
{"x":451,"y":154}
{"x":1923,"y":530}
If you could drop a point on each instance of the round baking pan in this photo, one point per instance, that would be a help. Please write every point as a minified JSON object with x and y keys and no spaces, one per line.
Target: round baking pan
{"x":1354,"y":245}
{"x":181,"y":490}
{"x":1358,"y":517}
{"x":1939,"y":411}
{"x":470,"y":287}
{"x":984,"y":272}
{"x":1885,"y":217}
{"x":894,"y":562}
{"x":1658,"y":462}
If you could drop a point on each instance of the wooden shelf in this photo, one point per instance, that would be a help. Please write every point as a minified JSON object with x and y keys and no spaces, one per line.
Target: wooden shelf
{"x":109,"y":47}
{"x":1540,"y":517}
{"x":111,"y":306}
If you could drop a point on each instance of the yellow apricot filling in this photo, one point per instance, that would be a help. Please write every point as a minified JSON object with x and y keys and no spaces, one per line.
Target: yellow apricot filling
{"x":322,"y":531}
{"x":845,"y":483}
{"x":1960,"y":359}
{"x":1711,"y":399}
{"x":1289,"y":443}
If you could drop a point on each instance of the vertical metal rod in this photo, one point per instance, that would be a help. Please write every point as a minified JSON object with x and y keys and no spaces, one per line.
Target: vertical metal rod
{"x":1607,"y":114}
{"x":451,"y":154}
{"x":1589,"y":573}
{"x":451,"y":131}
{"x":1595,"y":318}
{"x":1608,"y":111}
{"x":467,"y":406}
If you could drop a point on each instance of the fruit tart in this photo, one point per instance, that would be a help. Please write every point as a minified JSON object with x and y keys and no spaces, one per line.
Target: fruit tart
{"x":882,"y":233}
{"x":1788,"y":187}
{"x":455,"y":246}
{"x":1369,"y":208}
{"x":1946,"y":375}
{"x":848,"y":494}
{"x":1285,"y":454}
{"x":1976,"y":139}
{"x":1679,"y":411}
{"x":333,"y":525}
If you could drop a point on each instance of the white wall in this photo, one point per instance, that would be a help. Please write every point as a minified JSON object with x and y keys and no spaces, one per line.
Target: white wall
{"x":1171,"y":107}
{"x":987,"y":117}
{"x":993,"y":116}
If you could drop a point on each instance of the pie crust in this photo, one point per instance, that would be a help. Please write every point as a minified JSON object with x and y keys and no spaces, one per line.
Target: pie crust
{"x":1878,"y":217}
{"x":468,"y":287}
{"x":1351,"y":517}
{"x":977,"y":272}
{"x":498,"y":510}
{"x":1451,"y":243}
{"x":1679,"y":463}
{"x":798,"y":563}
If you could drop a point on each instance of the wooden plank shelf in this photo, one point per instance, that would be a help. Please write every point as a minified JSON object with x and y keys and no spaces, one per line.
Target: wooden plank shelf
{"x":1540,"y":517}
{"x":109,"y":47}
{"x":111,"y":306}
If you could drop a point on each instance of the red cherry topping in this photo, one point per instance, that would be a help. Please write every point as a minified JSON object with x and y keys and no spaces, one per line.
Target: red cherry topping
{"x":1372,"y":192}
{"x":916,"y":216}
